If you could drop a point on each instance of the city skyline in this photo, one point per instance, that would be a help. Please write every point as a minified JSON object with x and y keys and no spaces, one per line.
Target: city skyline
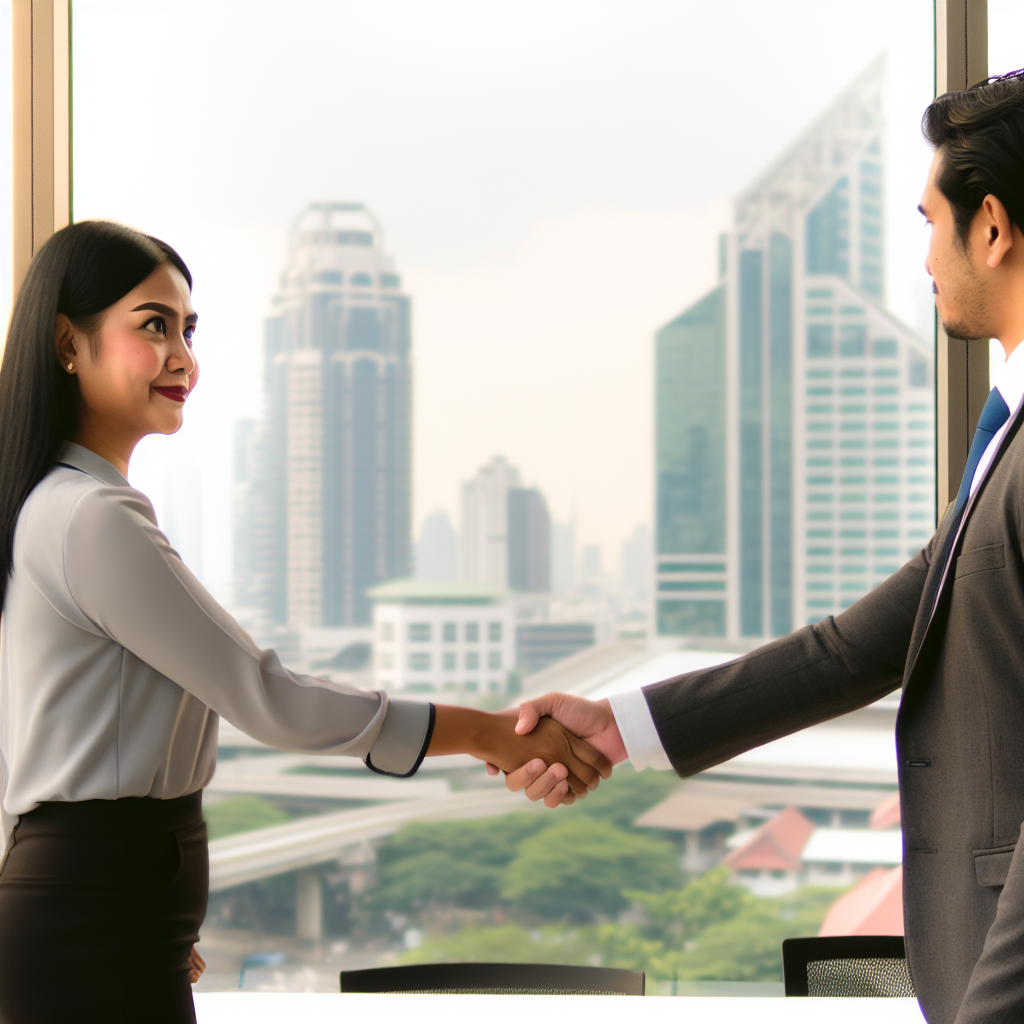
{"x":327,"y":515}
{"x":795,"y":413}
{"x":541,"y":259}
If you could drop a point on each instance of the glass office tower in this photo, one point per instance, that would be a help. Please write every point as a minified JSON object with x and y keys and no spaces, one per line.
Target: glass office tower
{"x":333,"y":466}
{"x":794,"y":413}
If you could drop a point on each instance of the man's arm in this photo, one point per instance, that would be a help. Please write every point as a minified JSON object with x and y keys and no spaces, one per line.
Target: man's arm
{"x":706,"y":717}
{"x":995,"y":994}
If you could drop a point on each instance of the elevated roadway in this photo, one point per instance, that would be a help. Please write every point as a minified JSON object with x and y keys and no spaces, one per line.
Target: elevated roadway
{"x":324,"y":837}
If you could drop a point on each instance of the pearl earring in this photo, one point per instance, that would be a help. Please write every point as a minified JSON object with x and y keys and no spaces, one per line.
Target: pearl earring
{"x":71,"y":367}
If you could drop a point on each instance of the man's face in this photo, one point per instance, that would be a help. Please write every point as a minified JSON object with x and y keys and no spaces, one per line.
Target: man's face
{"x":959,"y":287}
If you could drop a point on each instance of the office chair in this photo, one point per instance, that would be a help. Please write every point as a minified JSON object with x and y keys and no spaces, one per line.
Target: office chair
{"x":847,"y":965}
{"x":496,"y":979}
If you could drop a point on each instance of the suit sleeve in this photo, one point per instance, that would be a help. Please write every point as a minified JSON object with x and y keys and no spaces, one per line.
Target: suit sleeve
{"x":995,"y":994}
{"x":819,"y":672}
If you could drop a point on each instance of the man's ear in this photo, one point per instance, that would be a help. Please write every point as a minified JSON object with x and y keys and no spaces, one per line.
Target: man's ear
{"x":998,"y":230}
{"x":64,"y":341}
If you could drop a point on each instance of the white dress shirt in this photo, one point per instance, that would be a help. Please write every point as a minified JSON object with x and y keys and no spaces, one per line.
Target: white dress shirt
{"x":632,"y":713}
{"x":115,"y":662}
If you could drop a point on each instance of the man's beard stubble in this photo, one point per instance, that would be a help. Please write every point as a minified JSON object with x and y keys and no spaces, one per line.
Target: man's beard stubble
{"x":971,"y":321}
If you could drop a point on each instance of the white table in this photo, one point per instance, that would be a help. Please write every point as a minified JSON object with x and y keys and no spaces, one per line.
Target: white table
{"x":301,"y":1008}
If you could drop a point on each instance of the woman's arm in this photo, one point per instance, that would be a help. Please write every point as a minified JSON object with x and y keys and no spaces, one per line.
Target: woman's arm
{"x":129,"y":584}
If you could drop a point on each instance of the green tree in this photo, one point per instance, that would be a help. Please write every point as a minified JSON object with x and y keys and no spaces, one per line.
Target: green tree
{"x":748,"y":945}
{"x":677,"y":914}
{"x":241,"y":814}
{"x":579,"y":868}
{"x":457,"y":862}
{"x":621,"y":799}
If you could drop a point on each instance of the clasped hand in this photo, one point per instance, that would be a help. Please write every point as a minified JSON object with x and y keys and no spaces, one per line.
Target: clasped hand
{"x":549,"y":778}
{"x":503,"y":742}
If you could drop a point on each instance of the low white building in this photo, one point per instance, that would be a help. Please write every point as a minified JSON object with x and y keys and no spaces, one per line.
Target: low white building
{"x":842,"y":856}
{"x":434,"y":637}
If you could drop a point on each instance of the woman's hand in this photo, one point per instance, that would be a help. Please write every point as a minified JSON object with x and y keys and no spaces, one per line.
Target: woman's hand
{"x":196,"y":966}
{"x":493,"y":738}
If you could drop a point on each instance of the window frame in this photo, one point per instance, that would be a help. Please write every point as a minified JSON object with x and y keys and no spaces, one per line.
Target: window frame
{"x":43,"y":184}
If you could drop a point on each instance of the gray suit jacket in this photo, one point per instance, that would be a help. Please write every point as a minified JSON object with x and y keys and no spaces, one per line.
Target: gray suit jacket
{"x":952,"y":631}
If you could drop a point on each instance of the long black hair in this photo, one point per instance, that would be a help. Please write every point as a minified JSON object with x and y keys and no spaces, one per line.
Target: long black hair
{"x":81,"y":271}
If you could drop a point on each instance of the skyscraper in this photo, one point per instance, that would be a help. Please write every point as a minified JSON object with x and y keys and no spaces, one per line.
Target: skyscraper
{"x":437,"y":550}
{"x":333,"y":455}
{"x":793,"y":411}
{"x":529,"y":541}
{"x":483,"y":537}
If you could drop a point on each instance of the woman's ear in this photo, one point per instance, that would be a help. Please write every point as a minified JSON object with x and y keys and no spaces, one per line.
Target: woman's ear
{"x":64,"y":343}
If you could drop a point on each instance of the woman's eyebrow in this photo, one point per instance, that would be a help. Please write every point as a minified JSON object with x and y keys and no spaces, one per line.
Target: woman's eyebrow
{"x":159,"y":307}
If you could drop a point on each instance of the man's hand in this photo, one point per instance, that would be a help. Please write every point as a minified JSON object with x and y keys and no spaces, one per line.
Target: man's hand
{"x":496,"y":738}
{"x":590,"y":720}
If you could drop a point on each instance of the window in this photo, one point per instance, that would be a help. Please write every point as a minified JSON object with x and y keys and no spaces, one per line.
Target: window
{"x":506,"y":261}
{"x":819,"y":340}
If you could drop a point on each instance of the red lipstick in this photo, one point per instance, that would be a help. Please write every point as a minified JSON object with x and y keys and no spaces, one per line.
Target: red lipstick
{"x":177,"y":393}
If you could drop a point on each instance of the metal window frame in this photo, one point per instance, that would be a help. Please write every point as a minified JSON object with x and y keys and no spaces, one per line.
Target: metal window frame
{"x":961,"y":367}
{"x":43,"y":183}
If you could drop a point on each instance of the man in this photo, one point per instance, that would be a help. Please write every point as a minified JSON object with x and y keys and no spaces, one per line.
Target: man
{"x":949,"y":624}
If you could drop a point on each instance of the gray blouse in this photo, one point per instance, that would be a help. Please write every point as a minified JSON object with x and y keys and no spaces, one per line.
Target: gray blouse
{"x":115,"y":663}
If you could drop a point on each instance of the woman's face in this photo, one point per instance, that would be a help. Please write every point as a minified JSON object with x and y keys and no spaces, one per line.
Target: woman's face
{"x":137,"y":370}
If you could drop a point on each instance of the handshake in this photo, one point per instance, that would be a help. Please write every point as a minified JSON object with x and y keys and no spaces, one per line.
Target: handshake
{"x":557,"y":748}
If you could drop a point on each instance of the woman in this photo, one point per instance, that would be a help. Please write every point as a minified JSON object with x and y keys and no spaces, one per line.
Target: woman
{"x":115,"y":663}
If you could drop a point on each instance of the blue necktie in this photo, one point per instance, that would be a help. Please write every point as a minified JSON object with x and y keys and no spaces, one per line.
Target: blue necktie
{"x":995,"y":413}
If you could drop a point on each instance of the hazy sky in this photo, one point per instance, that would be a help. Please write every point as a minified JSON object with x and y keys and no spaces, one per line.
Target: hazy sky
{"x":550,"y":175}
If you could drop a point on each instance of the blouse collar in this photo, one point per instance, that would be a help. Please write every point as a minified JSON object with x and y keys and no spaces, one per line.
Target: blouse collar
{"x":77,"y":457}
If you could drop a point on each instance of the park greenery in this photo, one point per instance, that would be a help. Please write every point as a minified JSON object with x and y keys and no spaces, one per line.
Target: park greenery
{"x":580,"y":885}
{"x":583,"y":886}
{"x":241,"y":814}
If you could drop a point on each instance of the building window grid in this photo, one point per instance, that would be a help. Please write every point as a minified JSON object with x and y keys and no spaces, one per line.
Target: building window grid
{"x":880,"y":490}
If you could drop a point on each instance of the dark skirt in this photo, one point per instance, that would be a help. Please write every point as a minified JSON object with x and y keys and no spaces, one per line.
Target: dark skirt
{"x":100,"y":904}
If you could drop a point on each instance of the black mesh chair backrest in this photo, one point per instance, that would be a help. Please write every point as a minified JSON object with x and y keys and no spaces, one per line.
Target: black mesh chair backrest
{"x":847,"y":965}
{"x":497,"y":979}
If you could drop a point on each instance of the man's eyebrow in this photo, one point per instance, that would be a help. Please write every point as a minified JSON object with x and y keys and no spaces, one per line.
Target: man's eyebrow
{"x":159,"y":307}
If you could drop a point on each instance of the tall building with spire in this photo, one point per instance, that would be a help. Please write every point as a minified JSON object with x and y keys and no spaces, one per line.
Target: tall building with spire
{"x":332,"y":469}
{"x":794,"y":413}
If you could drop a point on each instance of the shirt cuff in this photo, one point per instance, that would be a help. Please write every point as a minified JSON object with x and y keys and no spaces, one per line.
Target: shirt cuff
{"x":402,"y":742}
{"x":639,"y":735}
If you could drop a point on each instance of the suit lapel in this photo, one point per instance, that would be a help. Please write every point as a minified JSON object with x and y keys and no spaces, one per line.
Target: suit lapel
{"x":941,"y":569}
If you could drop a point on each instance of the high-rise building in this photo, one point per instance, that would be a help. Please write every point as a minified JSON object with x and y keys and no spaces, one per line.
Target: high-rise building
{"x":437,"y":550}
{"x":244,"y":514}
{"x":794,"y":413}
{"x":483,"y":538}
{"x":563,"y":557}
{"x":334,"y":466}
{"x":635,"y":564}
{"x":529,"y":541}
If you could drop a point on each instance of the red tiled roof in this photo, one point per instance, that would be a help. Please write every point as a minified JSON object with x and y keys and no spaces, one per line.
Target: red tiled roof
{"x":886,"y":814}
{"x":875,"y":907}
{"x":775,"y":846}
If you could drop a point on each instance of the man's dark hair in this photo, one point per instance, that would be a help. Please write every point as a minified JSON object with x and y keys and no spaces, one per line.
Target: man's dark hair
{"x":981,"y":134}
